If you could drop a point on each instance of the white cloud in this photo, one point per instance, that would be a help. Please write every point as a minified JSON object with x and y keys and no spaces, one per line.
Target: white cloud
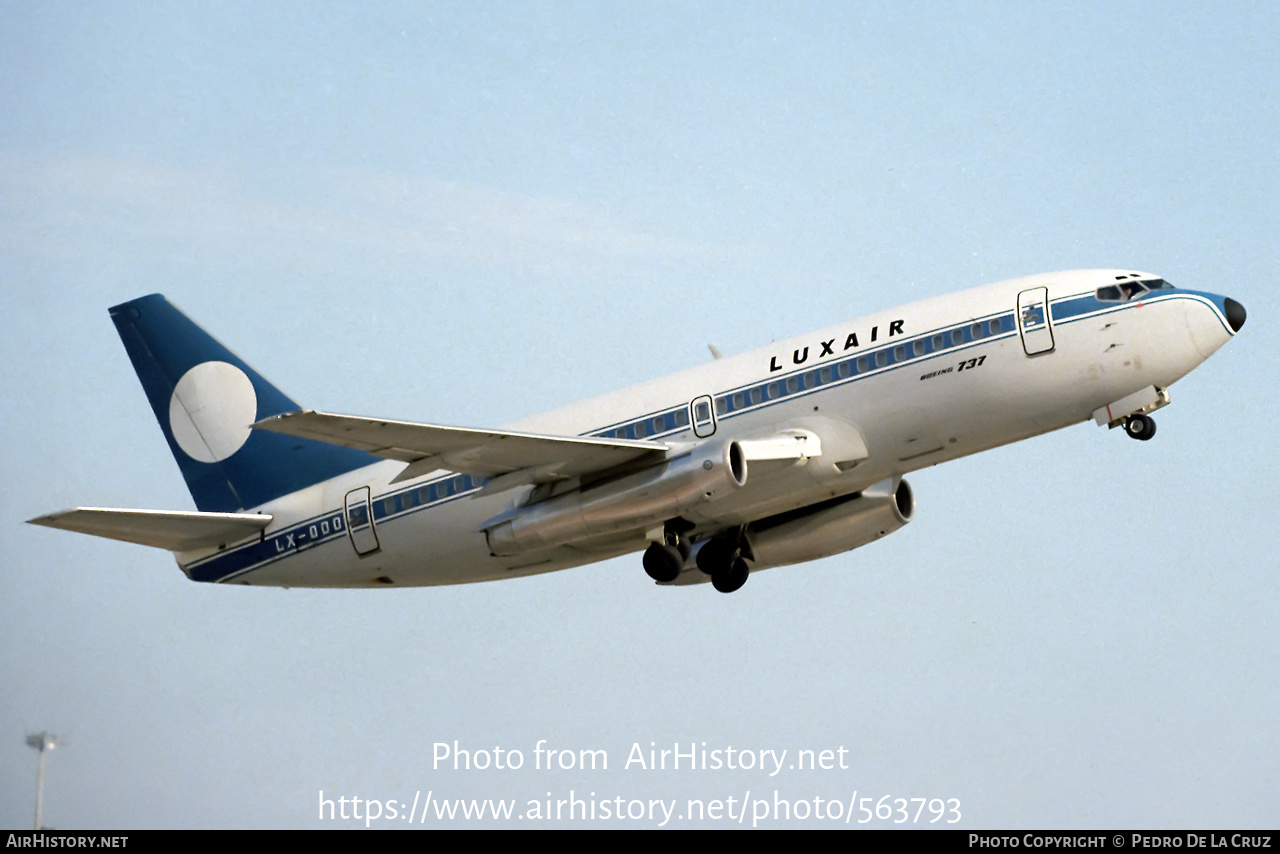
{"x":92,"y":204}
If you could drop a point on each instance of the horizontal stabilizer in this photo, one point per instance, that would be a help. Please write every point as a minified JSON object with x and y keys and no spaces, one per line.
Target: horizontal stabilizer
{"x":488,"y":453}
{"x":174,"y":530}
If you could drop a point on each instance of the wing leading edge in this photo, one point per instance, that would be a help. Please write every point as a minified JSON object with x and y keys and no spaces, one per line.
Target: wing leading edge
{"x":508,"y":459}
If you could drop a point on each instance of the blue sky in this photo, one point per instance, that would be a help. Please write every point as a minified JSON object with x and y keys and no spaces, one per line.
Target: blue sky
{"x":468,"y":214}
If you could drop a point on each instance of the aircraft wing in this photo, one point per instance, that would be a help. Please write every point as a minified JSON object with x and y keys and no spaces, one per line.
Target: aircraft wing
{"x":509,"y":459}
{"x":174,"y":530}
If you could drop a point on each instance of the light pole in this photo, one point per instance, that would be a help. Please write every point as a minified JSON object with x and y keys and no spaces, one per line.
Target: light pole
{"x":42,"y":742}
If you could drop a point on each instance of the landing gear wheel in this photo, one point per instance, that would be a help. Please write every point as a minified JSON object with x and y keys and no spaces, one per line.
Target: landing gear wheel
{"x":731,"y":578}
{"x":662,"y":562}
{"x":1140,"y":427}
{"x":718,"y":554}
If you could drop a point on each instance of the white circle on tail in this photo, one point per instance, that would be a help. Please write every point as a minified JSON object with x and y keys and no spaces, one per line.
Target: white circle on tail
{"x":211,"y":410}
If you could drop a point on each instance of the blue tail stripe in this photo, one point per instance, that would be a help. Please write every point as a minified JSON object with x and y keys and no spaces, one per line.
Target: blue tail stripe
{"x":163,"y":344}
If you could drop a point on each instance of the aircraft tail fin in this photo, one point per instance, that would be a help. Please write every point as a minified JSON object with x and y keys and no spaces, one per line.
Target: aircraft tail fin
{"x":205,"y":398}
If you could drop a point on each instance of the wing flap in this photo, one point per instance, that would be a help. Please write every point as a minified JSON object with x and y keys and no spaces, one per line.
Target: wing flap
{"x":174,"y":530}
{"x":489,"y":453}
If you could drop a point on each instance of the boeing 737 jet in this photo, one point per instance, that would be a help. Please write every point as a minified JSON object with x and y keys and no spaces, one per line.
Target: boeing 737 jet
{"x":784,"y":454}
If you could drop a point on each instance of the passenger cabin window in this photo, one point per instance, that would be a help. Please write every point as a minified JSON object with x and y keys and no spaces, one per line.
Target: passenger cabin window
{"x":917,"y":347}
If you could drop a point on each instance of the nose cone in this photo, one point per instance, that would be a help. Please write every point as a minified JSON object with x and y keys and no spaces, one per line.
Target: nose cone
{"x":1235,"y":314}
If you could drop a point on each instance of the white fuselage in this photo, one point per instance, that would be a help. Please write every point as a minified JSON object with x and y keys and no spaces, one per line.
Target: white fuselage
{"x":937,"y":392}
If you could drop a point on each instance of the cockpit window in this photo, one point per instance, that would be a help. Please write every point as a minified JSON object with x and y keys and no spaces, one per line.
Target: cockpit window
{"x":1130,"y":290}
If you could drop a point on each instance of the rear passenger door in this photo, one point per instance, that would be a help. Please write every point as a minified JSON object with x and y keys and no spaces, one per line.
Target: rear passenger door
{"x":360,"y":526}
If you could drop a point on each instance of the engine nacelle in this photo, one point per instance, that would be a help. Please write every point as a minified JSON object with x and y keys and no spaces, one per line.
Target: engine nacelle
{"x":831,"y":527}
{"x":641,"y":500}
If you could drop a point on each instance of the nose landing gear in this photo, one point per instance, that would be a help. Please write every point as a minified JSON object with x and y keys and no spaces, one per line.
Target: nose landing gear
{"x":1140,"y":427}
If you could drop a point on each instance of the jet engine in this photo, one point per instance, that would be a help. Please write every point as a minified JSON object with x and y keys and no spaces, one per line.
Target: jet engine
{"x":640,"y":500}
{"x":831,"y":527}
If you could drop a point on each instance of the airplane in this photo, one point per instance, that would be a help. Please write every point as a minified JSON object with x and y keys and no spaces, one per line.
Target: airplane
{"x":788,"y":453}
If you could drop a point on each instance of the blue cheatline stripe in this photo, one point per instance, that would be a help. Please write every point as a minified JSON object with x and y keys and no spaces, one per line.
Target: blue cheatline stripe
{"x":1087,"y":305}
{"x":163,"y":344}
{"x":271,"y":547}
